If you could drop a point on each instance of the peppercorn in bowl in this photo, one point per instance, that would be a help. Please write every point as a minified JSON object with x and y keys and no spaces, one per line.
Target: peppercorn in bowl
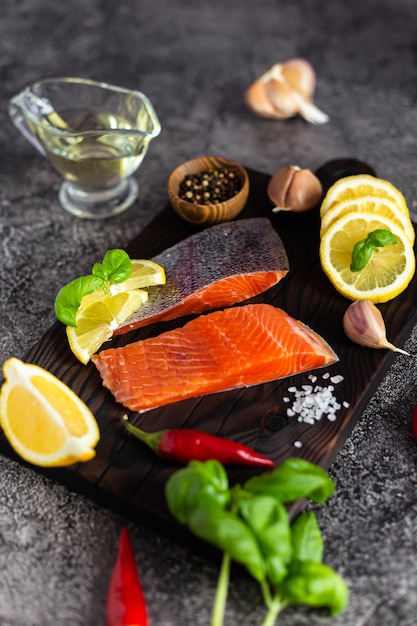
{"x":208,"y":190}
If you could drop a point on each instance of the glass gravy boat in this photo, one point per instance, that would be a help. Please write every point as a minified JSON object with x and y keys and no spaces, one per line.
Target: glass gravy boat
{"x":96,"y":135}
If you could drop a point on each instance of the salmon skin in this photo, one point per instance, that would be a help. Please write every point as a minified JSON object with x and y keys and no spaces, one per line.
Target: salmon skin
{"x":215,"y":268}
{"x":237,"y":347}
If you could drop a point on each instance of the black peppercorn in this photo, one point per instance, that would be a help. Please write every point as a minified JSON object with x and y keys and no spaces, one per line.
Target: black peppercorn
{"x":209,"y":187}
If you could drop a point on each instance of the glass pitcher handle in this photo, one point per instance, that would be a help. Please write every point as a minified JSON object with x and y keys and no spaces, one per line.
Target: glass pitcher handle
{"x":18,"y":118}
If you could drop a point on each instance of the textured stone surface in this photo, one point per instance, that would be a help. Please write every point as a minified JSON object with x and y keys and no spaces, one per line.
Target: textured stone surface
{"x":194,"y":60}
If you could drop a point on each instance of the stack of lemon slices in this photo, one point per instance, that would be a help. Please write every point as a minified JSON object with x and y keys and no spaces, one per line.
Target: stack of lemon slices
{"x":100,"y":314}
{"x":353,"y":208}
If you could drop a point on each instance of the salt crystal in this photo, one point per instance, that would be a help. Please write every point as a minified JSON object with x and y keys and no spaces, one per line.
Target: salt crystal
{"x":308,"y":420}
{"x":297,"y":444}
{"x":312,"y":403}
{"x":346,"y":404}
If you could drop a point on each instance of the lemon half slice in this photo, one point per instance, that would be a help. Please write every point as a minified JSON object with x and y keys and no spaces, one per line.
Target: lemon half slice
{"x":387,"y":273}
{"x":45,"y":422}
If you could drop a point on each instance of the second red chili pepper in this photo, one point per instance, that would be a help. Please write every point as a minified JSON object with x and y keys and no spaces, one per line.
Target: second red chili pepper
{"x":182,"y":445}
{"x":125,"y":604}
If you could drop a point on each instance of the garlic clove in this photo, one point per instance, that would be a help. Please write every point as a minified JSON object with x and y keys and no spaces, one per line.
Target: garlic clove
{"x":289,"y":87}
{"x":363,"y":324}
{"x":259,"y":103}
{"x":309,"y":111}
{"x":300,"y":76}
{"x":281,"y":96}
{"x":294,"y":189}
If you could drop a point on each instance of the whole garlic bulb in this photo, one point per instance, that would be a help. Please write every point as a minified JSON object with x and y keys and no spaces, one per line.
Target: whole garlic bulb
{"x":285,"y":90}
{"x":294,"y":189}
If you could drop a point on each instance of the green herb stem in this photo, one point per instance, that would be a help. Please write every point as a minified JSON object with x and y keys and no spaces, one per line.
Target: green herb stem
{"x":274,"y":608}
{"x":219,"y":607}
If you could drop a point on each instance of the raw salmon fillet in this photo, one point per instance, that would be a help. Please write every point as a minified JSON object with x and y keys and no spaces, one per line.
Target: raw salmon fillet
{"x":214,"y":268}
{"x":237,"y":347}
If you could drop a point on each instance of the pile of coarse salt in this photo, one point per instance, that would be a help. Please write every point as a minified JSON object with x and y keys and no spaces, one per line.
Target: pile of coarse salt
{"x":311,"y":402}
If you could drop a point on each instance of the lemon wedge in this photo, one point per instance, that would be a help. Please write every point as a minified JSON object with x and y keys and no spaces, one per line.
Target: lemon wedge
{"x":387,"y":273}
{"x":45,"y":422}
{"x":98,"y":318}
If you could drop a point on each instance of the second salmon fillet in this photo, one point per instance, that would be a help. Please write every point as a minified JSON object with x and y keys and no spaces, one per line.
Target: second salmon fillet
{"x":236,"y":347}
{"x":212,"y":269}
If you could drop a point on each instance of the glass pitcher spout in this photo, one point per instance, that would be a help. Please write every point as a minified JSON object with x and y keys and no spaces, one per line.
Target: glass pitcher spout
{"x":95,"y":134}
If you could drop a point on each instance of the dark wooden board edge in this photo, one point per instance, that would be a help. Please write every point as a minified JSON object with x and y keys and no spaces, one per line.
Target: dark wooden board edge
{"x":126,"y":477}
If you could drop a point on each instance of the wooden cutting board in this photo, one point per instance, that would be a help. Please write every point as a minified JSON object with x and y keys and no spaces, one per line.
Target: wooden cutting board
{"x":128,"y":477}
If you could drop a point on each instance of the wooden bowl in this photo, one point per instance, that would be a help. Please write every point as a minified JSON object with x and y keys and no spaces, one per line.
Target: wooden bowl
{"x":207,"y":214}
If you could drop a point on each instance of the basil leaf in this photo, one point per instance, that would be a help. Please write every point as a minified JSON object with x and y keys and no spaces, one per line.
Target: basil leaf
{"x":100,"y":271}
{"x":362,"y":250}
{"x":294,"y":479}
{"x":198,"y":484}
{"x":68,"y":298}
{"x":361,"y":254}
{"x":315,"y":584}
{"x":118,"y":265}
{"x":382,"y":237}
{"x":115,"y":268}
{"x":226,"y":531}
{"x":268,"y":520}
{"x":306,"y":537}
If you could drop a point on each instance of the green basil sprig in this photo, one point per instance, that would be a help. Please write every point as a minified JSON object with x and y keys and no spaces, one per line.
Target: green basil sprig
{"x":116,"y":267}
{"x":249,"y":523}
{"x":362,"y":250}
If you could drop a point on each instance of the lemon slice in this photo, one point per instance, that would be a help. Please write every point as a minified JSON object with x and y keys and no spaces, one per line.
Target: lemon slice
{"x":145,"y":273}
{"x":357,"y":186}
{"x":369,"y":204}
{"x":45,"y":422}
{"x":97,"y":321}
{"x":387,"y":273}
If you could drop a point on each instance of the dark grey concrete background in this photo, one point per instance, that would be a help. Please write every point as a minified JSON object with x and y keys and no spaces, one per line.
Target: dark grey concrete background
{"x":194,"y":60}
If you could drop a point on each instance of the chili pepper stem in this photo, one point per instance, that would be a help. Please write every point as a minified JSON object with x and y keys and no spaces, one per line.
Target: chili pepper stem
{"x":219,"y":606}
{"x":150,"y":439}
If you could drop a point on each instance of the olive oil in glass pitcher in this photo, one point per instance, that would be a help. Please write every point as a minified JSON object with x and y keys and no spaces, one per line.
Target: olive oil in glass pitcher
{"x":96,"y":135}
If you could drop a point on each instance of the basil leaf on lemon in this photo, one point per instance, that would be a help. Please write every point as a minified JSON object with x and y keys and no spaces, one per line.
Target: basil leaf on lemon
{"x":362,"y":250}
{"x":116,"y":267}
{"x":68,"y":299}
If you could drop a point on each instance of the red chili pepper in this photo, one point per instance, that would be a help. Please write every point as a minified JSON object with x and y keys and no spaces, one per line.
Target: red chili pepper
{"x":414,"y":422}
{"x":182,"y":445}
{"x":125,"y":605}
